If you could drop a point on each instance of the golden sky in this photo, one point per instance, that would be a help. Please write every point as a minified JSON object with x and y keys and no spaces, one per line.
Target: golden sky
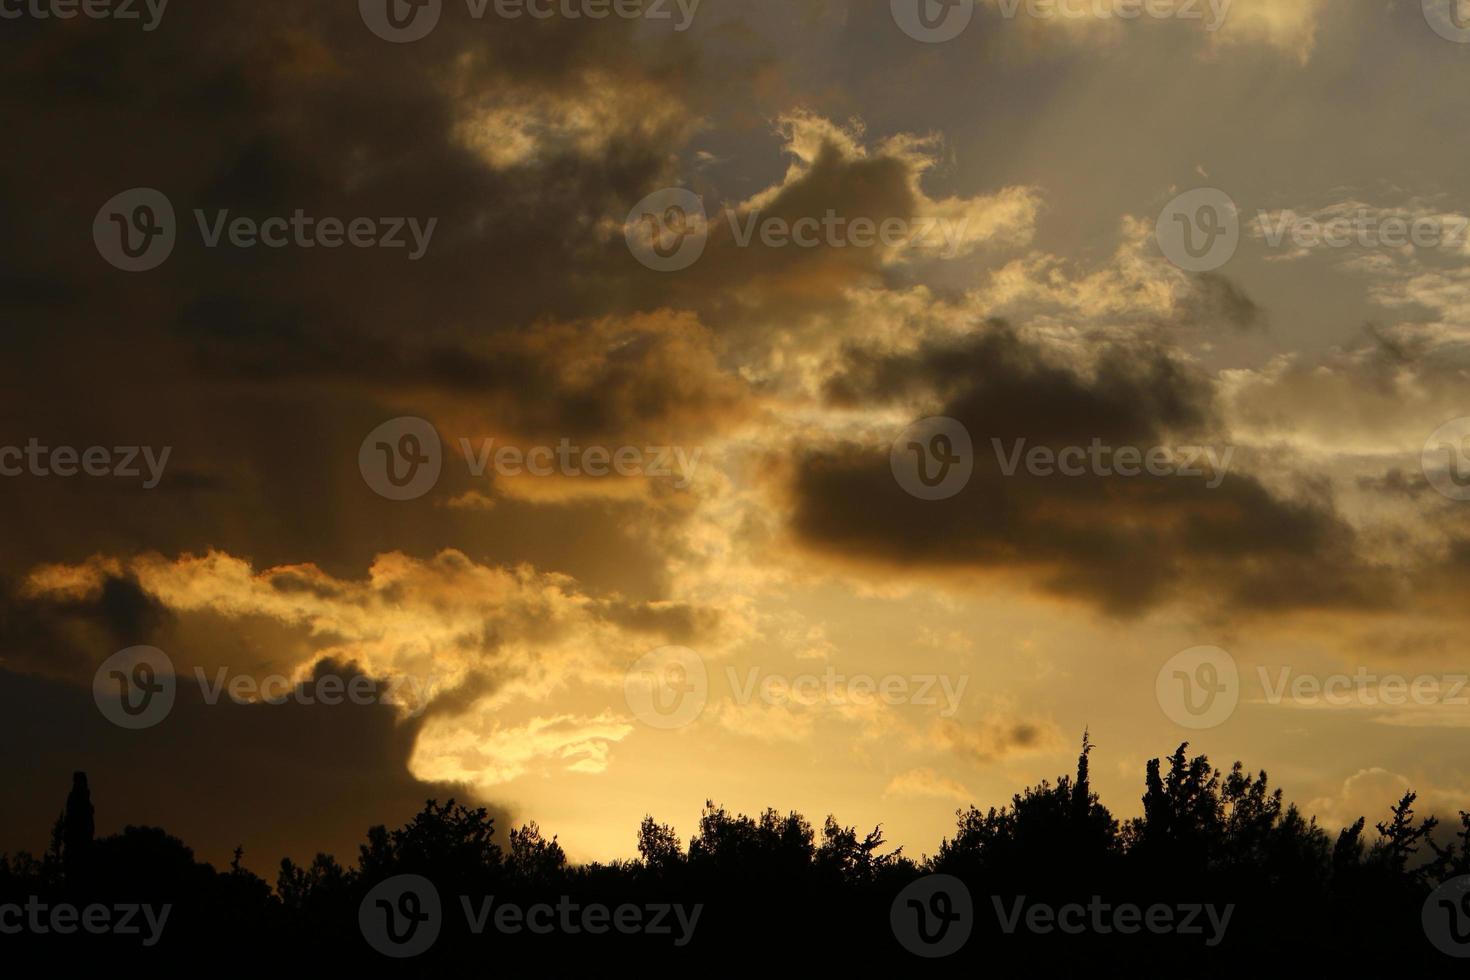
{"x":1028,"y":166}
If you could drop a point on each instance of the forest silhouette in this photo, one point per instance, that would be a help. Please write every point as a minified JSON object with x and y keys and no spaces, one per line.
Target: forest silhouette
{"x":774,"y":890}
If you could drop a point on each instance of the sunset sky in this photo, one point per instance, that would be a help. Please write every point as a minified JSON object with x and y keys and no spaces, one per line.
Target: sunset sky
{"x":1039,"y":152}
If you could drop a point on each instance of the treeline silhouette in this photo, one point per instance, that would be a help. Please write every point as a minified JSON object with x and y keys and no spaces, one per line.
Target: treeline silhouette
{"x":776,"y":891}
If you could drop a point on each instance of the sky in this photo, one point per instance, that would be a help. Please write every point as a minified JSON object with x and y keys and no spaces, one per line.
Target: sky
{"x":550,"y":375}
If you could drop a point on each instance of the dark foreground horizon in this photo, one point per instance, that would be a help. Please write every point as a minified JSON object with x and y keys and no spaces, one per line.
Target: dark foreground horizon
{"x":1219,"y":877}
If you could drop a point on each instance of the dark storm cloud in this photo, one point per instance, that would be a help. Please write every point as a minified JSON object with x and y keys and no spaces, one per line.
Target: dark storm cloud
{"x":1125,"y":544}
